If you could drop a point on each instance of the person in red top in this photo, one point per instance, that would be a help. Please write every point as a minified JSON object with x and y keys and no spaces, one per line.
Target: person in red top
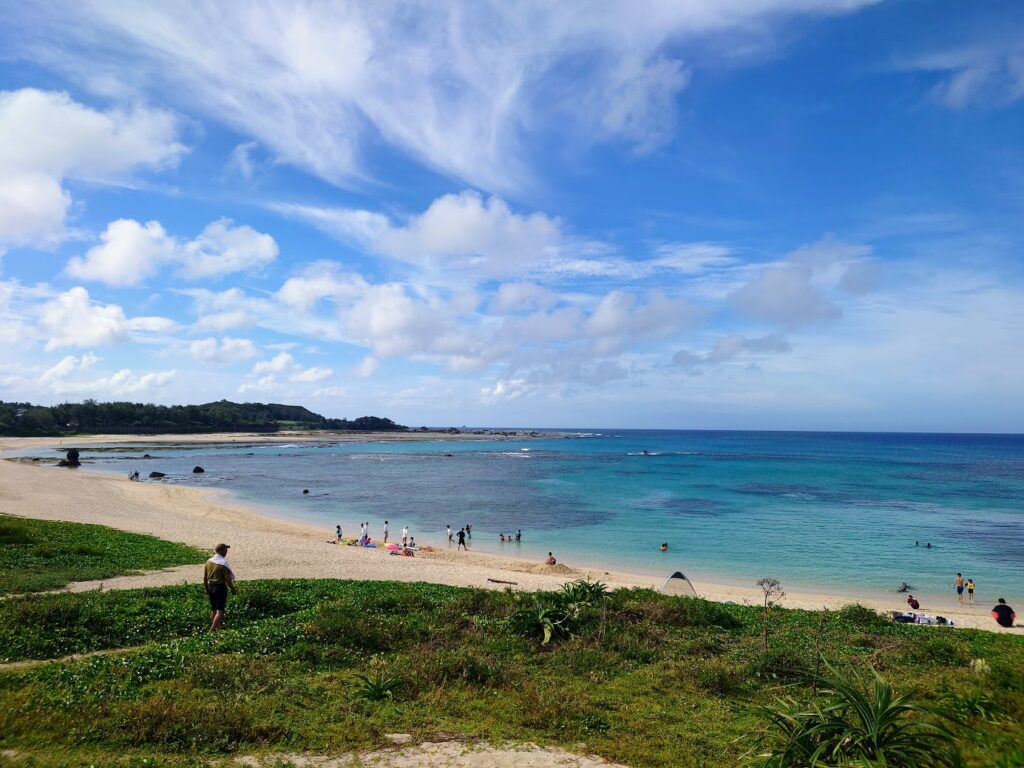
{"x":1003,"y":614}
{"x":913,"y":602}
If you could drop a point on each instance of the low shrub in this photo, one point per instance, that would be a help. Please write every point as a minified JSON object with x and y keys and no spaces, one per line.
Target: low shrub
{"x":720,"y":677}
{"x":940,"y":646}
{"x":860,"y":617}
{"x":779,"y":663}
{"x":190,"y":723}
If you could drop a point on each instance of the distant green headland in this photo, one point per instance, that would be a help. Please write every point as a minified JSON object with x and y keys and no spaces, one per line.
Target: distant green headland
{"x":122,"y":418}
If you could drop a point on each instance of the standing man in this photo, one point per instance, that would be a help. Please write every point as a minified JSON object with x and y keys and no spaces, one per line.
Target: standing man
{"x":337,"y":534}
{"x":462,"y":540}
{"x":959,"y":582}
{"x":405,"y":536}
{"x":385,"y":531}
{"x":1003,"y":614}
{"x":449,"y":527}
{"x":218,"y":578}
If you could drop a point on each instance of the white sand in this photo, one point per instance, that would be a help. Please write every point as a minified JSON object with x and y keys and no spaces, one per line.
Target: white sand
{"x":267,"y":548}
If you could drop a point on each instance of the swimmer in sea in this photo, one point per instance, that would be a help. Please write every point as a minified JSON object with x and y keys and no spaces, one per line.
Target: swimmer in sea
{"x":664,"y":547}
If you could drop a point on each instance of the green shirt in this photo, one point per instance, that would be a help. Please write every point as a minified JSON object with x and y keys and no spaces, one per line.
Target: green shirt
{"x":215,"y":574}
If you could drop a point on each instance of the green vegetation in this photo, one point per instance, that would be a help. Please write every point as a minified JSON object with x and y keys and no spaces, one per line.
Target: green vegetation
{"x":91,"y":417}
{"x":640,"y":678}
{"x":36,"y":555}
{"x":845,"y":725}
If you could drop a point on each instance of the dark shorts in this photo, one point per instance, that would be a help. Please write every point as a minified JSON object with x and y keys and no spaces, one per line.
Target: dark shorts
{"x":959,"y":590}
{"x":218,"y":594}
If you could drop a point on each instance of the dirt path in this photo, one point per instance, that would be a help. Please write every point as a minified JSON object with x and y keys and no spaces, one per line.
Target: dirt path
{"x":21,"y":666}
{"x":447,"y":754}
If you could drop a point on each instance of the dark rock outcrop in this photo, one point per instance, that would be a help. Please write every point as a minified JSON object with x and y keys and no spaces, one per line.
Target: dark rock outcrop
{"x":156,"y":475}
{"x":197,"y":470}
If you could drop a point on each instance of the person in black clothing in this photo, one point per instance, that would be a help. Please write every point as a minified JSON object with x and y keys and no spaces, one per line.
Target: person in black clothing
{"x":1003,"y":614}
{"x":519,"y":536}
{"x":462,"y":540}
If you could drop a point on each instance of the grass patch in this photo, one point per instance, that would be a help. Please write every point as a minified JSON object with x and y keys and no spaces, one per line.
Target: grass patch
{"x":318,"y":665}
{"x":39,"y":555}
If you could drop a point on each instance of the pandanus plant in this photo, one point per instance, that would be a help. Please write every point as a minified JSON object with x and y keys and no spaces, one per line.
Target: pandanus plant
{"x":846,"y":725}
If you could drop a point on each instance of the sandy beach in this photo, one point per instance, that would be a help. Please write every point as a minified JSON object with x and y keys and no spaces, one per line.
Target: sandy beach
{"x":265,"y":547}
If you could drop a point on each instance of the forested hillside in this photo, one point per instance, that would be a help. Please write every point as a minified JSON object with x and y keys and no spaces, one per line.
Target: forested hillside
{"x":27,"y":420}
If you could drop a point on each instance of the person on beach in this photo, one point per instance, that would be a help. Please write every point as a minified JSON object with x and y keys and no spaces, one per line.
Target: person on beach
{"x":462,"y":540}
{"x":412,"y":542}
{"x":970,"y":591}
{"x":519,"y":536}
{"x":903,"y":587}
{"x":913,"y":602}
{"x":1003,"y":614}
{"x":959,"y":583}
{"x":469,"y":530}
{"x":664,"y":547}
{"x":337,"y":534}
{"x":551,"y":560}
{"x":385,"y":531}
{"x":218,"y":578}
{"x":405,"y":536}
{"x":501,"y":537}
{"x":449,"y":533}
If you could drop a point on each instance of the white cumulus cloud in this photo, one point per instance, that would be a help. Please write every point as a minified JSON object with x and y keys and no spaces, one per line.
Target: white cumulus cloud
{"x":72,"y":320}
{"x":458,"y":232}
{"x":46,"y":137}
{"x":277,"y":364}
{"x":227,"y":350}
{"x":312,"y":375}
{"x":221,"y":249}
{"x":66,"y":367}
{"x":130,"y":252}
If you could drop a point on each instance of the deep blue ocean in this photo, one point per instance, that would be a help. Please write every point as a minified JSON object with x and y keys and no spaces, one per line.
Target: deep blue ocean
{"x":832,"y":512}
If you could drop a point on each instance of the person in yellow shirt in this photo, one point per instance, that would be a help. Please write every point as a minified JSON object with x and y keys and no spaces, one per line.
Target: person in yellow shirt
{"x":218,"y":578}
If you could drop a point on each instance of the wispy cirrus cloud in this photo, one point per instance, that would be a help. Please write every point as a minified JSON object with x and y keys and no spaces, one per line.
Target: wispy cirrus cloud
{"x":984,"y":71}
{"x":459,"y":88}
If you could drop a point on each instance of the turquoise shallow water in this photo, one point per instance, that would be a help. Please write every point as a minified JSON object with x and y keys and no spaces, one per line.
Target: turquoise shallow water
{"x":821,"y":511}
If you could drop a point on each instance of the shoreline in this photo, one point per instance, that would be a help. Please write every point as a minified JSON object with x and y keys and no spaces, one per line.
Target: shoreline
{"x":267,"y":546}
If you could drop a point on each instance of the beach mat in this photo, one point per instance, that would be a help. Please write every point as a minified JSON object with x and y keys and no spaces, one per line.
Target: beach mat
{"x":678,"y":585}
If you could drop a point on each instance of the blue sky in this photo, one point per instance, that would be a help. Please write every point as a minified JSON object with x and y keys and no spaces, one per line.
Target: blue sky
{"x":781,"y":214}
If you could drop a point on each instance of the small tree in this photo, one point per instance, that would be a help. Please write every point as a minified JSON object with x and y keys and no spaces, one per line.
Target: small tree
{"x":773,"y":593}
